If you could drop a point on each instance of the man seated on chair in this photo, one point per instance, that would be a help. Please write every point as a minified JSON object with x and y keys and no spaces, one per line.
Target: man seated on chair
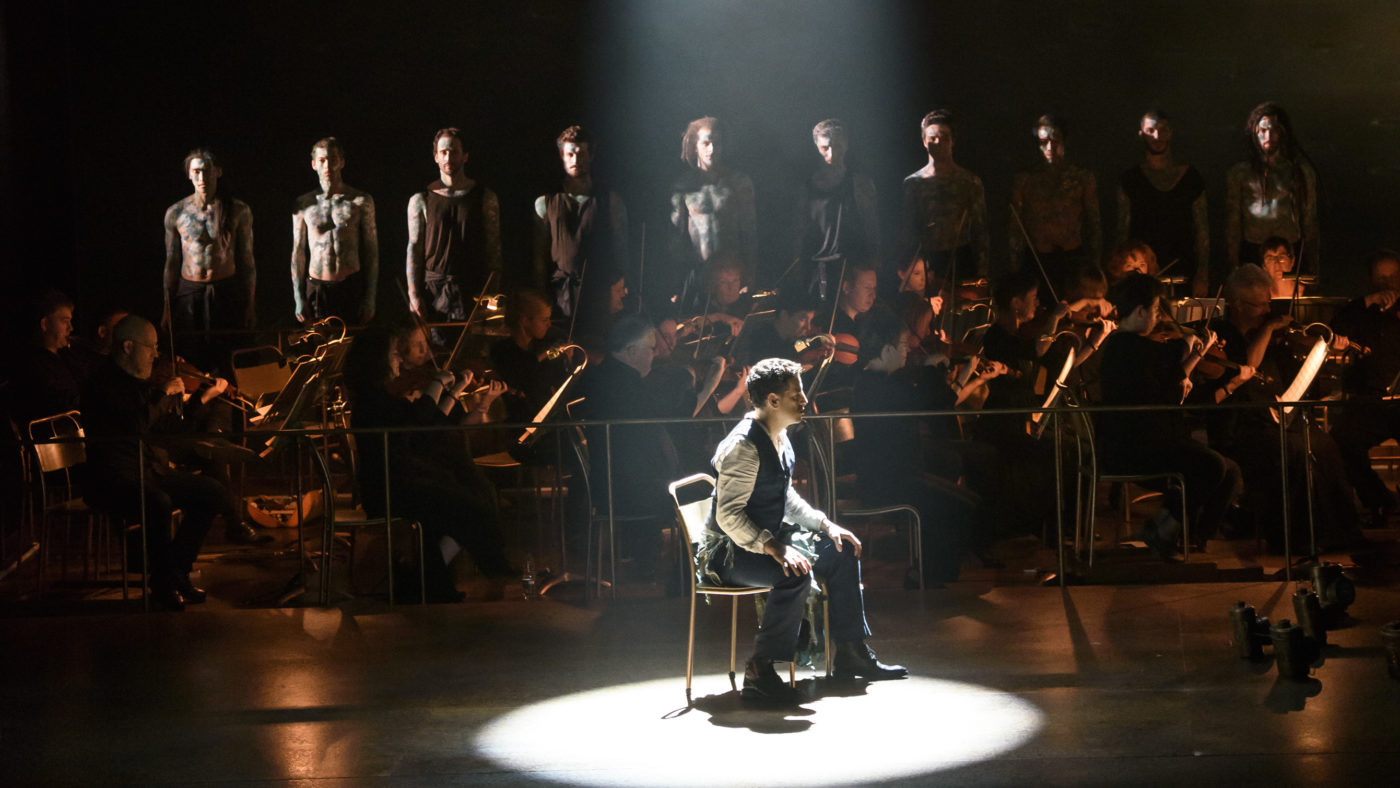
{"x":1137,"y":370}
{"x":118,"y":402}
{"x":761,"y":533}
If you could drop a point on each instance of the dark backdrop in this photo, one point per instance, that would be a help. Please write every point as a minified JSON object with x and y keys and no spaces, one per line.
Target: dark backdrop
{"x":102,"y":100}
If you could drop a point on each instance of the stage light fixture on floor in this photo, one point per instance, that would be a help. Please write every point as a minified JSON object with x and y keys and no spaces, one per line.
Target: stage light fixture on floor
{"x":1249,"y":632}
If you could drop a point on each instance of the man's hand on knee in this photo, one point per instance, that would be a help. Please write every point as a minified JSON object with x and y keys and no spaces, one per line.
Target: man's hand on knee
{"x":788,"y":557}
{"x":837,"y":534}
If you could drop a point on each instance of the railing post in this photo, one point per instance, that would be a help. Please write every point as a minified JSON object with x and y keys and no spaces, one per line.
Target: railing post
{"x":143,"y":525}
{"x":1287,"y":515}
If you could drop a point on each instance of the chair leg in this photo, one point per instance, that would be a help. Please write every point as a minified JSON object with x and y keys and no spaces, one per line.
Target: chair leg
{"x":733,"y":638}
{"x":1185,"y":527}
{"x":690,"y":651}
{"x":826,"y":625}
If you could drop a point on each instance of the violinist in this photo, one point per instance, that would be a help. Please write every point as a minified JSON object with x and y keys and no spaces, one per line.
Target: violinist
{"x":792,"y":320}
{"x":1250,"y":335}
{"x":1373,"y":323}
{"x":519,"y":359}
{"x":1136,"y":370}
{"x":431,"y":477}
{"x":888,"y":454}
{"x":1014,"y":297}
{"x":419,"y":374}
{"x":119,"y":402}
{"x":724,"y":303}
{"x":858,"y":290}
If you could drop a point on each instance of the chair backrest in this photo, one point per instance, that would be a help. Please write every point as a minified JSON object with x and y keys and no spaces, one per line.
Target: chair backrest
{"x":58,"y":456}
{"x":691,"y":517}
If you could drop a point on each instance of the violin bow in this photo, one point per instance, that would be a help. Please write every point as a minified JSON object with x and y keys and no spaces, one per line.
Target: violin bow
{"x":836,"y":298}
{"x":179,"y":401}
{"x":418,"y":321}
{"x":582,"y":272}
{"x":476,"y":304}
{"x":952,"y":280}
{"x":1031,"y":246}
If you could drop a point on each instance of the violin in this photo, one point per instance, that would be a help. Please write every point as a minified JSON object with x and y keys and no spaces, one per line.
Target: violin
{"x":167,"y":368}
{"x":844,"y":348}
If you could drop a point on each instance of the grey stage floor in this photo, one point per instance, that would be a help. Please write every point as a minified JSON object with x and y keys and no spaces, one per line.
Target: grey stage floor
{"x":1027,"y":685}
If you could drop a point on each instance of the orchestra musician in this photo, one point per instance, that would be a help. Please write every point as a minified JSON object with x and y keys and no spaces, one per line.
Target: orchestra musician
{"x":892,"y":464}
{"x":1278,"y":264}
{"x":1251,"y":338}
{"x":1137,"y":370}
{"x":431,"y":477}
{"x":1370,"y":381}
{"x":118,"y":402}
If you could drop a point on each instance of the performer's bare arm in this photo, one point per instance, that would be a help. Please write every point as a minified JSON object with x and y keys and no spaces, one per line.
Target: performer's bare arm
{"x":977,"y":224}
{"x":618,"y":214}
{"x":491,"y":215}
{"x":1307,"y":223}
{"x":1015,"y":237}
{"x":369,"y":256}
{"x":1200,"y":225}
{"x":170,"y":278}
{"x":243,"y":256}
{"x":1093,"y":225}
{"x":543,"y":263}
{"x":1234,"y":205}
{"x":300,"y":259}
{"x":417,"y":218}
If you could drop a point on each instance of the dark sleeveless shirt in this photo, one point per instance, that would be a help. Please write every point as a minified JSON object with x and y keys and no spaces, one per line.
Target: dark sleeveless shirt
{"x":835,"y":230}
{"x":580,"y":231}
{"x":454,"y":238}
{"x":1163,"y":218}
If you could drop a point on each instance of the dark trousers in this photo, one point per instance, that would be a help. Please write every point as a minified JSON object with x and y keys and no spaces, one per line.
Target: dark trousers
{"x":465,"y":512}
{"x":342,"y":299}
{"x":1356,"y":428}
{"x":782,"y":615}
{"x":200,"y":498}
{"x":209,"y":306}
{"x":1256,"y":449}
{"x":1212,"y":479}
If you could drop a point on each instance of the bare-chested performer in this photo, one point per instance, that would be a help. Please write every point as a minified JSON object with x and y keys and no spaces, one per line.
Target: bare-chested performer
{"x":837,"y":217}
{"x":945,"y":208}
{"x":1058,"y":206}
{"x":1163,"y":204}
{"x":712,"y":211}
{"x":454,"y":236}
{"x":335,"y":241}
{"x":1274,"y":193}
{"x":581,"y":223}
{"x":210,"y":275}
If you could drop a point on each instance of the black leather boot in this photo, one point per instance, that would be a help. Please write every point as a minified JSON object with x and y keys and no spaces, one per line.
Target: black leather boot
{"x":855,"y":659}
{"x":763,"y":684}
